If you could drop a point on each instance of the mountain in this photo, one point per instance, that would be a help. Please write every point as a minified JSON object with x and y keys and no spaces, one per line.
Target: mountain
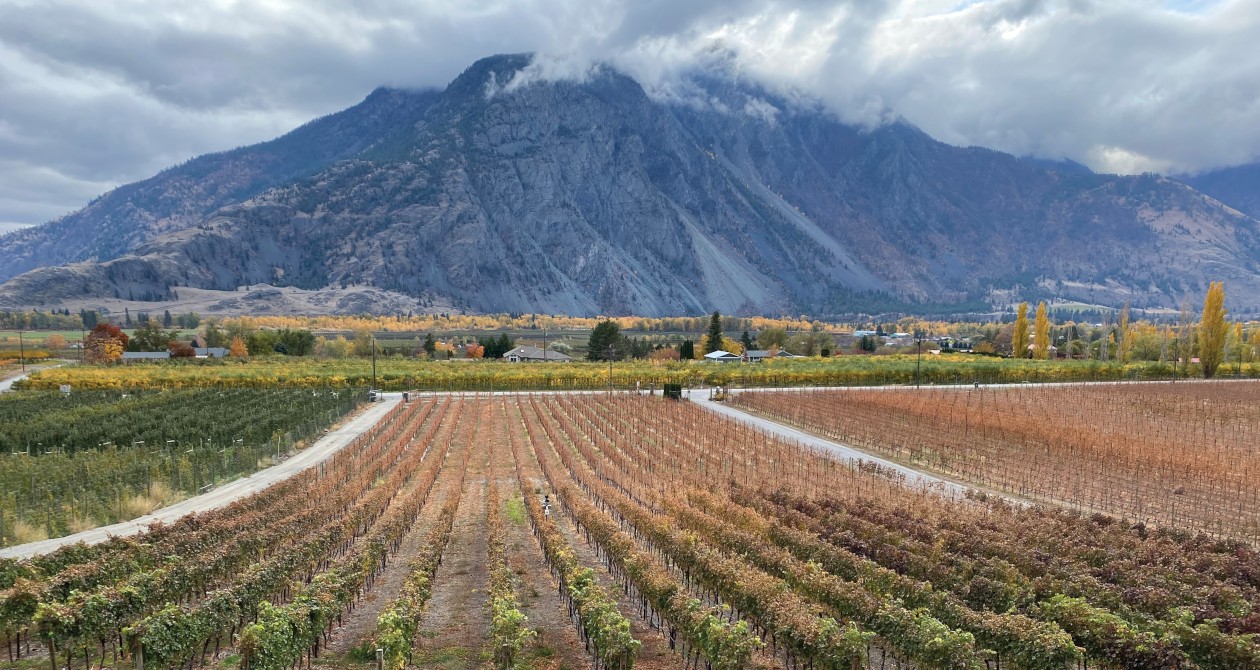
{"x":585,"y":197}
{"x":1238,"y":187}
{"x":118,"y":222}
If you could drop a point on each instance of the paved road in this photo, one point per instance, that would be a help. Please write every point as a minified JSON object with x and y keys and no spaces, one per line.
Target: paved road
{"x":843,"y":451}
{"x":226,"y":494}
{"x":7,"y":385}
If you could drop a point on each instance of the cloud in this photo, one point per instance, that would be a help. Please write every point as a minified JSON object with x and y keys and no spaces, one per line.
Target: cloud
{"x":95,"y":94}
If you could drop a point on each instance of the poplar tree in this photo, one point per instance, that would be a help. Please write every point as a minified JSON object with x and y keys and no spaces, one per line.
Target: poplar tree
{"x":1212,"y":329}
{"x":1041,"y":333}
{"x":1019,"y":341}
{"x":1126,"y":340}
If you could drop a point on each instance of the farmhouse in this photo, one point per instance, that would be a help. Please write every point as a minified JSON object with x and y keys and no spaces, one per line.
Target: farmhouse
{"x":210,"y":352}
{"x":132,"y":356}
{"x":720,"y":356}
{"x":759,"y":355}
{"x":526,"y":354}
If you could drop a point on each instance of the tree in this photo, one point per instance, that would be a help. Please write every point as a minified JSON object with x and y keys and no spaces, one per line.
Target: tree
{"x":713,"y":339}
{"x":1212,"y":329}
{"x":105,"y":343}
{"x":430,"y":345}
{"x":363,"y":342}
{"x":1019,"y":339}
{"x":746,"y":340}
{"x":495,"y":347}
{"x":262,"y":342}
{"x":56,"y":341}
{"x":168,"y":321}
{"x":1125,"y":345}
{"x":297,"y":342}
{"x":214,"y":335}
{"x":1041,"y":333}
{"x":772,"y":337}
{"x":687,"y":350}
{"x":150,"y":337}
{"x":474,"y":350}
{"x":868,"y":344}
{"x":188,"y":321}
{"x":605,"y":335}
{"x":237,"y":348}
{"x":180,"y":349}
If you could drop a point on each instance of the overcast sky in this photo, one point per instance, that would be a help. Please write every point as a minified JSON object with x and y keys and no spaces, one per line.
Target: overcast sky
{"x":97,"y":93}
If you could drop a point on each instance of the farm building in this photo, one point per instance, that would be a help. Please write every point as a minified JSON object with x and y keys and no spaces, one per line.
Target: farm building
{"x":759,"y":355}
{"x":720,"y":356}
{"x":526,"y":354}
{"x":131,"y":356}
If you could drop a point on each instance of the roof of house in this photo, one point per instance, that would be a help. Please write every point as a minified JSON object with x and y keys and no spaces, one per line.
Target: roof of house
{"x":535,"y":353}
{"x":217,"y":352}
{"x":145,"y":355}
{"x":720,"y":355}
{"x":766,"y":353}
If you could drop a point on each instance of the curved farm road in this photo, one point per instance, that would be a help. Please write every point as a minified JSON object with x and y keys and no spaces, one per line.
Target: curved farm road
{"x":843,"y":451}
{"x":323,"y":448}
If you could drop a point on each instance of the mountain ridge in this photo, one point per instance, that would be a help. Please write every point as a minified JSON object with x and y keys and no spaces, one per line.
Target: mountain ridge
{"x":591,"y":196}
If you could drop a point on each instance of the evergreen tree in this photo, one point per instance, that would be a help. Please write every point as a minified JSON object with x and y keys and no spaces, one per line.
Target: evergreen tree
{"x":1019,"y":340}
{"x":1212,"y":330}
{"x":605,"y":335}
{"x":747,"y":341}
{"x":430,"y":345}
{"x":687,"y":350}
{"x":713,"y":340}
{"x":127,"y":317}
{"x":1041,"y":333}
{"x":167,"y":320}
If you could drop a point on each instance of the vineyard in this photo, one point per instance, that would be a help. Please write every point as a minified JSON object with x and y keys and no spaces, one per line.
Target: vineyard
{"x":1170,"y":454}
{"x":76,"y":461}
{"x":397,"y":374}
{"x":625,"y":532}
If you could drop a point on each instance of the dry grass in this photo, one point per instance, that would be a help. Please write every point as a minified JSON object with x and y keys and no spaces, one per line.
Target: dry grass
{"x":24,"y":532}
{"x":160,"y":495}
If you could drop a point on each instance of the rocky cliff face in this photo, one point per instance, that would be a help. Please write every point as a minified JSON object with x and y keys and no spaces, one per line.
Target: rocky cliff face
{"x":593,"y":197}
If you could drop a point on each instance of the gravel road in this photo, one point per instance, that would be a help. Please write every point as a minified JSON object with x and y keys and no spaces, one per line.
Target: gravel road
{"x":840,"y":450}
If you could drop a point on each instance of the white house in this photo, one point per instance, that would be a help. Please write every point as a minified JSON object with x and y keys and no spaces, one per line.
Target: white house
{"x":720,"y":356}
{"x":526,"y":354}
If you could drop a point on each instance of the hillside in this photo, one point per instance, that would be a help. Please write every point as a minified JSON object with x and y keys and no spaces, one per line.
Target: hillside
{"x":594,"y":197}
{"x":1238,"y":187}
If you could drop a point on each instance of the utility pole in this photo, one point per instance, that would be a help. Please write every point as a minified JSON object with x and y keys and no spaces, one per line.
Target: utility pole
{"x":373,"y":361}
{"x":544,"y":345}
{"x":22,"y":350}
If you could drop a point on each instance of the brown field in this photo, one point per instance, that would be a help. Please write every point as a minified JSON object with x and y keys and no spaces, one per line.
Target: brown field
{"x":673,"y":539}
{"x":1183,"y":454}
